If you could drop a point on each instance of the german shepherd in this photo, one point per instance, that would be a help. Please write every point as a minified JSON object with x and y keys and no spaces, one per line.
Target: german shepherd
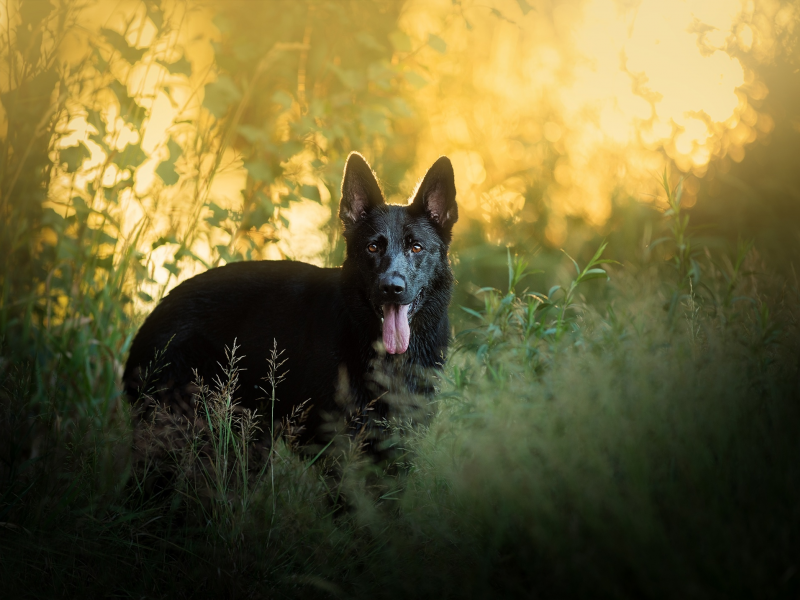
{"x":354,"y":336}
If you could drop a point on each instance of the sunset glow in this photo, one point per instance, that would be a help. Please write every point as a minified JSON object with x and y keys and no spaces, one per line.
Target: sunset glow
{"x":614,"y":88}
{"x":579,"y":99}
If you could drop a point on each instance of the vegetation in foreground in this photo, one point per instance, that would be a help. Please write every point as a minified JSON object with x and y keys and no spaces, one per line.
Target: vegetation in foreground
{"x":641,"y":447}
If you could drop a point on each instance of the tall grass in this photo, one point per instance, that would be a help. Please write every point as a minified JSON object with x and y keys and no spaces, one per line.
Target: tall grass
{"x":631,"y":455}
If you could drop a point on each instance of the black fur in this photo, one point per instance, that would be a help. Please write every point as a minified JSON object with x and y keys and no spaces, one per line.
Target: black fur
{"x":328,"y":321}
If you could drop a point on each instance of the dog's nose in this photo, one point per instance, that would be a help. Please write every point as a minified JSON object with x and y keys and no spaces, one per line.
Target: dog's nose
{"x":392,"y":285}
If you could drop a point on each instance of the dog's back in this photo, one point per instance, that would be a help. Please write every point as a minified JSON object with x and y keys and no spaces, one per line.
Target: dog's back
{"x":297,"y":305}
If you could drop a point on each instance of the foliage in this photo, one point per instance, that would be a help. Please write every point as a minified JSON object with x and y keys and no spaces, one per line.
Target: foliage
{"x":527,"y":322}
{"x":632,"y":442}
{"x":98,"y":220}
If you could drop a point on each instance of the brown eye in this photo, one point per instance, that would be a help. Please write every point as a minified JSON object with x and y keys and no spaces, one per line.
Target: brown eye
{"x":373,"y":247}
{"x":416,"y":248}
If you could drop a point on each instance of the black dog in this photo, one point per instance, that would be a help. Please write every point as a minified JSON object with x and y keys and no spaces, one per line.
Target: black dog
{"x":356,"y":335}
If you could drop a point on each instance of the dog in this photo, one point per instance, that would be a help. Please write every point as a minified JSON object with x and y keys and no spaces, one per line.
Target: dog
{"x":353,"y":337}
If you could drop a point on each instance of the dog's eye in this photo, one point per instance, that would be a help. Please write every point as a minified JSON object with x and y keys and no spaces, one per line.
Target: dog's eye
{"x":373,"y":247}
{"x":416,"y":248}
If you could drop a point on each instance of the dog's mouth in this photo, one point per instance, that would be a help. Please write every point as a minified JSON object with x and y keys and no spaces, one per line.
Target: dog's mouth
{"x":396,"y":320}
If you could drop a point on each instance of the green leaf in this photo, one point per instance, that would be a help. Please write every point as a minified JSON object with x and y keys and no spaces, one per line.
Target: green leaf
{"x":375,"y":121}
{"x":368,"y":41}
{"x":106,"y":263}
{"x":598,"y":253}
{"x":665,"y":181}
{"x":166,"y":169}
{"x":129,"y":110}
{"x":144,"y":296}
{"x":175,"y":150}
{"x":553,"y":290}
{"x":577,"y":268}
{"x":105,"y":238}
{"x":261,"y":212}
{"x":220,"y":95}
{"x":130,"y":157}
{"x":659,"y":241}
{"x":311,"y":192}
{"x":353,"y":79}
{"x":155,"y":14}
{"x":54,"y":220}
{"x":184,"y":252}
{"x":258,"y":171}
{"x":283,"y":98}
{"x":678,"y":192}
{"x":172,"y":268}
{"x":120,"y":44}
{"x":594,"y":274}
{"x":80,"y":206}
{"x":381,"y":74}
{"x":222,"y":249}
{"x":219,"y":214}
{"x":400,"y":41}
{"x":400,"y":107}
{"x":170,"y":239}
{"x":510,"y":265}
{"x":112,"y":193}
{"x":474,"y":313}
{"x":95,"y":119}
{"x":254,"y":135}
{"x":32,"y":13}
{"x":437,"y":43}
{"x":100,"y":63}
{"x":524,"y":7}
{"x":74,"y":156}
{"x":179,"y":67}
{"x":415,"y":79}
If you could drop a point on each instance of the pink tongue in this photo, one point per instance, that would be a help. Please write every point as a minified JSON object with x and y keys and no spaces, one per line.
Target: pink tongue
{"x":396,"y":333}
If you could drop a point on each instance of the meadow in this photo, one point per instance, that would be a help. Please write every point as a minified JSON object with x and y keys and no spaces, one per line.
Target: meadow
{"x":618,"y":414}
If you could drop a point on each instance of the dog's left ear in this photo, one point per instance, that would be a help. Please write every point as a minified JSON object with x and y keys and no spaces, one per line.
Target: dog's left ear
{"x":436,"y":195}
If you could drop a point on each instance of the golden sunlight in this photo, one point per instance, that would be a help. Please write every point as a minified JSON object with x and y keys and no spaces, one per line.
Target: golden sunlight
{"x":580,"y":99}
{"x":590,"y":95}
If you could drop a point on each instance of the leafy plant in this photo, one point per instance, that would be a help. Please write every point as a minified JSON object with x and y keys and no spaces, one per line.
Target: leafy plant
{"x":231,"y":431}
{"x":526,"y":320}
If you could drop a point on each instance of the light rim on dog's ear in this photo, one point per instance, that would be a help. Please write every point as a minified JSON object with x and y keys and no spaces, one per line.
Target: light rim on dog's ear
{"x":436,"y":194}
{"x":360,"y":190}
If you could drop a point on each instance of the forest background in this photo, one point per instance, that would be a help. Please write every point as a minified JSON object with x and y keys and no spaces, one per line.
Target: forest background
{"x":144,"y":142}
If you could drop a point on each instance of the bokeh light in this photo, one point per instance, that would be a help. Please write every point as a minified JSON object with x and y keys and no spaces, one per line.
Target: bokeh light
{"x":590,"y":96}
{"x":571,"y":102}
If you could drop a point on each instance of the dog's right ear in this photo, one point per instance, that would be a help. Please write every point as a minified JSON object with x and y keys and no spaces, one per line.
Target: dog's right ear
{"x":360,"y":190}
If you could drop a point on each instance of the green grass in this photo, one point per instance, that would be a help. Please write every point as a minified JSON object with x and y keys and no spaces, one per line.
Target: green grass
{"x":622,"y":451}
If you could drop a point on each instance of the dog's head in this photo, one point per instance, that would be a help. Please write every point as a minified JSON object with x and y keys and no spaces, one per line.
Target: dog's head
{"x":398,"y":251}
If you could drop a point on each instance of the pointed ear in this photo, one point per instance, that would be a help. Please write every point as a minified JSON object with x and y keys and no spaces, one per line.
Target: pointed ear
{"x":360,"y":190}
{"x":436,"y":195}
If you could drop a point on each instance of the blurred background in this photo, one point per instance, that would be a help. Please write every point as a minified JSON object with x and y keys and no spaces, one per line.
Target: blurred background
{"x":142,"y":141}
